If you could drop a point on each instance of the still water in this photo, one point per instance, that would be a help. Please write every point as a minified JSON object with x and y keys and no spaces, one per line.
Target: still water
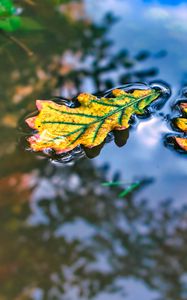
{"x":65,"y":235}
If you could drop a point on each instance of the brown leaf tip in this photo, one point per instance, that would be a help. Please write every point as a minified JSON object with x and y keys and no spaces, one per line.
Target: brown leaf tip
{"x":183,"y":106}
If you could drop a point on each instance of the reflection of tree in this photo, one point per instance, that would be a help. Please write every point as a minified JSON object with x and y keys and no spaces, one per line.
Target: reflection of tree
{"x":103,"y":68}
{"x":152,"y":246}
{"x":127,"y":237}
{"x":35,"y":256}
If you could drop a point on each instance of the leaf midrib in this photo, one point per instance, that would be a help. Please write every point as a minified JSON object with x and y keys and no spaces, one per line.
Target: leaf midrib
{"x":100,"y":119}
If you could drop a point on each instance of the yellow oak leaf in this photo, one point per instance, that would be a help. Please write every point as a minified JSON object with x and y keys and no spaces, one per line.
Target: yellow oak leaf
{"x":181,"y":123}
{"x":62,"y":128}
{"x":182,"y":142}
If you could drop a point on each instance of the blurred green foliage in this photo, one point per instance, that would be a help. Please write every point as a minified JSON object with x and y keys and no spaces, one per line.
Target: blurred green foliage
{"x":11,"y":21}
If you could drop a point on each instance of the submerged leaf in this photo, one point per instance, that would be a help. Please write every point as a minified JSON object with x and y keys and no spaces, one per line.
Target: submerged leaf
{"x":130,"y":187}
{"x":62,"y":128}
{"x":181,"y":124}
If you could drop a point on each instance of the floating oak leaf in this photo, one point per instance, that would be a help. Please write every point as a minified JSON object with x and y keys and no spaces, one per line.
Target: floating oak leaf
{"x":181,"y":142}
{"x":62,"y":128}
{"x":181,"y":124}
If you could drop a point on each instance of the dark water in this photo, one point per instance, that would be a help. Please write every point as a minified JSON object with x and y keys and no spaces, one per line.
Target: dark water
{"x":64,"y":235}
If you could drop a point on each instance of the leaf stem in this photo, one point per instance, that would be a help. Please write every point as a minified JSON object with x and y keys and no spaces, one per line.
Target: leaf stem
{"x":24,"y":47}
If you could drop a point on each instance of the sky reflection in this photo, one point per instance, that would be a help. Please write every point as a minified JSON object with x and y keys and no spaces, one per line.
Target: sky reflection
{"x":159,"y":25}
{"x":150,"y":26}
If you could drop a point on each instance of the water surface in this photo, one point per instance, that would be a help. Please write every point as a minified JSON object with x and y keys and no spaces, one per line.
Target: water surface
{"x":63,"y":234}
